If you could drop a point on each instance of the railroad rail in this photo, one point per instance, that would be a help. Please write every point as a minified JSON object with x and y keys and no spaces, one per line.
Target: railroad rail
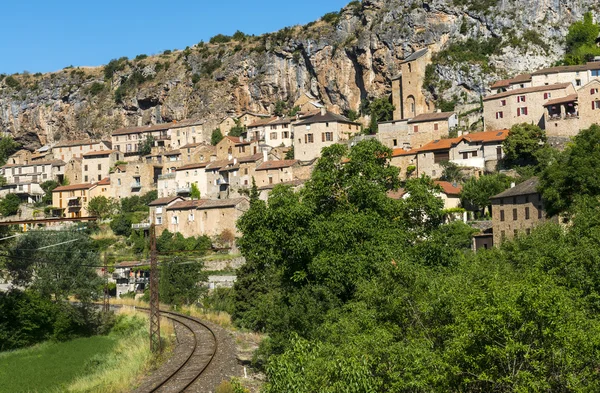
{"x":201,"y":354}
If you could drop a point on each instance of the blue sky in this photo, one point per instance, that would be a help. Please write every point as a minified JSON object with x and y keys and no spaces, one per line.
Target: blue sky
{"x":43,"y":36}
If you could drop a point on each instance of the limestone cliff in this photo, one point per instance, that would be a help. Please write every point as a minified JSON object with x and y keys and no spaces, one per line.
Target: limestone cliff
{"x":341,"y":59}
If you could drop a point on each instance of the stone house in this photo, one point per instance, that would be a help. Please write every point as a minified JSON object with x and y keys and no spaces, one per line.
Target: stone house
{"x":450,"y":194}
{"x":518,"y":82}
{"x":24,"y":180}
{"x":135,"y":178}
{"x":101,"y":188}
{"x":158,"y":211}
{"x":275,"y":172}
{"x":232,"y":146}
{"x":307,"y":103}
{"x":407,"y":93}
{"x":517,"y":211}
{"x":566,"y":116}
{"x":264,"y":191}
{"x":190,"y":174}
{"x":73,"y":170}
{"x":406,"y":161}
{"x":278,"y":132}
{"x":96,"y":165}
{"x":480,"y":150}
{"x":517,"y":106}
{"x":577,"y":75}
{"x":166,"y":136}
{"x":206,"y":217}
{"x":21,"y":157}
{"x":416,"y":132}
{"x":226,"y":124}
{"x":64,"y":151}
{"x":197,"y":152}
{"x":71,"y":201}
{"x":311,"y":135}
{"x":256,"y":131}
{"x":246,"y":118}
{"x":166,"y":184}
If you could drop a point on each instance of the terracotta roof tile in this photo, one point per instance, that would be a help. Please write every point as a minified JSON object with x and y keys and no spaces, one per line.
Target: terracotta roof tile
{"x":276,"y":164}
{"x":403,"y":152}
{"x":562,"y":100}
{"x":327,"y":117}
{"x":99,"y":153}
{"x":593,"y":65}
{"x":449,"y":188}
{"x":163,"y":201}
{"x":157,"y":127}
{"x":104,"y":182}
{"x":526,"y":90}
{"x":181,"y":205}
{"x":84,"y":186}
{"x":430,"y":117}
{"x":511,"y":81}
{"x":196,"y":165}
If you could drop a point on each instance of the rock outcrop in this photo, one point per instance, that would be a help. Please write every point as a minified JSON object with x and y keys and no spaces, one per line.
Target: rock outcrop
{"x":342,"y":59}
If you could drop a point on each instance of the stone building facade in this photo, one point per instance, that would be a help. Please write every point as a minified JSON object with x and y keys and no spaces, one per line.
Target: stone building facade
{"x":517,"y":211}
{"x":319,"y":131}
{"x":72,"y":200}
{"x":416,"y":132}
{"x":64,"y":151}
{"x":135,"y":178}
{"x":96,"y":165}
{"x":407,"y":87}
{"x":517,"y":106}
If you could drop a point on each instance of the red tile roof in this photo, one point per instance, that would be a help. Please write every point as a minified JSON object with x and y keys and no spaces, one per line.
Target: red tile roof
{"x":196,"y":165}
{"x":562,"y":100}
{"x":403,"y":152}
{"x":181,"y":205}
{"x":98,"y":153}
{"x":104,"y":182}
{"x":449,"y":188}
{"x":85,"y":186}
{"x":276,"y":164}
{"x":157,"y":127}
{"x":485,"y":136}
{"x":163,"y":201}
{"x":511,"y":81}
{"x":527,"y":90}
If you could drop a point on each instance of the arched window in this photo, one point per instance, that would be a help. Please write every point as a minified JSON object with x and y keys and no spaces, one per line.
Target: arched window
{"x":410,"y":105}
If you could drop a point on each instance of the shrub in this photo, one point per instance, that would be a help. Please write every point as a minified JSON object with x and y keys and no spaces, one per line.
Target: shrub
{"x":96,"y":88}
{"x":11,"y":81}
{"x":121,"y":225}
{"x":239,"y":36}
{"x":220,"y":39}
{"x":9,"y":206}
{"x":216,"y":137}
{"x":167,"y":52}
{"x":332,"y":18}
{"x":195,"y":78}
{"x":141,"y":57}
{"x":114,"y":66}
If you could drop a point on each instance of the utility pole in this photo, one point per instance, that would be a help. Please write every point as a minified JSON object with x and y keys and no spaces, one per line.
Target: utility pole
{"x":154,"y":299}
{"x":106,"y":300}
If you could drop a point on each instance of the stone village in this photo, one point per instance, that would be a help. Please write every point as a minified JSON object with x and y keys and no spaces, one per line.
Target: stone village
{"x":282,"y":150}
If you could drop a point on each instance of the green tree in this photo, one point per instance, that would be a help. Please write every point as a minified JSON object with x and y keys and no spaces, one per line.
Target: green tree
{"x":581,"y":41}
{"x":380,"y":109}
{"x":238,"y":129}
{"x":289,"y":155}
{"x":476,"y":192}
{"x":194,"y":192}
{"x":58,"y":264}
{"x":280,"y":108}
{"x":8,"y":147}
{"x":572,"y":174}
{"x":522,"y":144}
{"x":48,"y":186}
{"x":145,"y":146}
{"x":9,"y":205}
{"x":101,"y":206}
{"x":181,"y":281}
{"x":121,"y":225}
{"x":452,"y":172}
{"x":216,"y":137}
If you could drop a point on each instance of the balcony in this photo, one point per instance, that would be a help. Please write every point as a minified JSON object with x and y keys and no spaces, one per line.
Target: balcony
{"x":144,"y":225}
{"x":74,"y":202}
{"x":168,"y":176}
{"x":183,"y":190}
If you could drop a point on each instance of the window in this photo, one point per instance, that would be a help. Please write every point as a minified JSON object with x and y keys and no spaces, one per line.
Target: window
{"x":578,"y":82}
{"x":522,"y":111}
{"x":547,"y":95}
{"x":441,"y":156}
{"x":245,"y":182}
{"x":85,"y":178}
{"x":520,"y":98}
{"x":595,"y":72}
{"x":502,"y":102}
{"x":308,"y":138}
{"x":540,"y":214}
{"x":594,"y":91}
{"x":285,"y":134}
{"x":415,"y":128}
{"x":515,"y":233}
{"x":159,"y":210}
{"x":499,"y":115}
{"x":99,"y":177}
{"x":327,"y":137}
{"x":435,"y":126}
{"x":515,"y":214}
{"x":85,"y":167}
{"x":273,"y":135}
{"x":501,"y":215}
{"x":119,"y":182}
{"x":99,"y":167}
{"x":595,"y":104}
{"x":174,"y":220}
{"x":527,"y":213}
{"x":191,"y":217}
{"x":245,"y":171}
{"x":465,"y":155}
{"x":270,"y":179}
{"x":528,"y":231}
{"x":395,"y":142}
{"x":158,"y":220}
{"x":409,"y":67}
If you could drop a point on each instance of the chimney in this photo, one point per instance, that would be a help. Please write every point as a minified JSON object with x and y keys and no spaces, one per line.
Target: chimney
{"x":265,"y":156}
{"x":323,"y":111}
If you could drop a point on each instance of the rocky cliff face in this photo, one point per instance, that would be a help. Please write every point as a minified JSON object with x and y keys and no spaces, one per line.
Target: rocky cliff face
{"x":341,"y":59}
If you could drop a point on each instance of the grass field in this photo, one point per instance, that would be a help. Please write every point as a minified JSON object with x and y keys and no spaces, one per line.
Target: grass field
{"x":101,"y":364}
{"x":51,"y":366}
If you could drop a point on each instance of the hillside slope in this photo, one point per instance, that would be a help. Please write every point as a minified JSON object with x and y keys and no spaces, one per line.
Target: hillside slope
{"x":341,"y":59}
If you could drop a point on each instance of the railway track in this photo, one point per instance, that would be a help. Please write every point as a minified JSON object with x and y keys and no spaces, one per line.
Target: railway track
{"x":188,"y":367}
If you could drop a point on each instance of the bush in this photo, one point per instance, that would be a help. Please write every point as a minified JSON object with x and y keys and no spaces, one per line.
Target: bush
{"x":195,"y":78}
{"x":9,"y":206}
{"x":11,"y":81}
{"x":220,"y":39}
{"x":121,"y":225}
{"x":332,"y":18}
{"x":96,"y":88}
{"x":141,"y":57}
{"x":114,"y":66}
{"x":216,"y":137}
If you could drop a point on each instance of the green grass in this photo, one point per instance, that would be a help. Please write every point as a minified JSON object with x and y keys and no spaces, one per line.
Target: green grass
{"x":50,"y":366}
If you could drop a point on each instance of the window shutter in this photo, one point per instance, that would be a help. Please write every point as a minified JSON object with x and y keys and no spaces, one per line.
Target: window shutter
{"x":305,"y":138}
{"x":525,"y":111}
{"x":592,"y":91}
{"x":322,"y":137}
{"x":518,"y":111}
{"x":593,"y":105}
{"x":523,"y":98}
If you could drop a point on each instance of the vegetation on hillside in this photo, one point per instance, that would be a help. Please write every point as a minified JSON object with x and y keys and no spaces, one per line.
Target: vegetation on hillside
{"x":581,"y":41}
{"x":360,"y":292}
